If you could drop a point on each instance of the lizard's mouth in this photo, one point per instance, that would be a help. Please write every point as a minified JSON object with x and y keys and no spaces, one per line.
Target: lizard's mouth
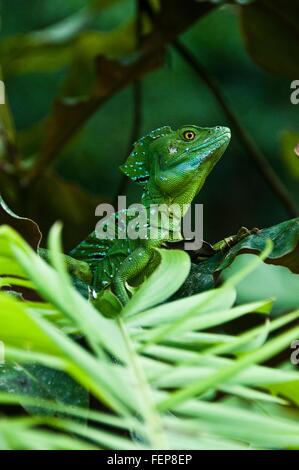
{"x":213,"y":143}
{"x":210,"y":149}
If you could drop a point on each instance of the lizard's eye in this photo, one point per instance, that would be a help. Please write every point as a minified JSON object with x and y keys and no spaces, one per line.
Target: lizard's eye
{"x":189,"y":135}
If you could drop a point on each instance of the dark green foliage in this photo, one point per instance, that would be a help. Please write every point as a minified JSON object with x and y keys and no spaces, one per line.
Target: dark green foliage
{"x":43,"y":383}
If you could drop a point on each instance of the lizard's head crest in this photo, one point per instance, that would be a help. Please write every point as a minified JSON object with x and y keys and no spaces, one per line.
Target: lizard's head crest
{"x":137,"y":166}
{"x":173,"y":162}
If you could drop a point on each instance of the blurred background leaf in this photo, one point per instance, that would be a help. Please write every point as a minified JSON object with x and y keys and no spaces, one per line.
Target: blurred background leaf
{"x":290,"y":156}
{"x":272,"y":35}
{"x":41,"y":382}
{"x":53,"y":199}
{"x":267,"y":281}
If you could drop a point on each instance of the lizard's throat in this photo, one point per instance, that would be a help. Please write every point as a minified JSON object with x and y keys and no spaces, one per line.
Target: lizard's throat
{"x":155,"y":198}
{"x":178,"y":205}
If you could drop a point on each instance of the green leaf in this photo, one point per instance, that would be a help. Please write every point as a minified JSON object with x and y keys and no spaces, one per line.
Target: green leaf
{"x":19,"y":329}
{"x":7,"y":127}
{"x":73,"y":410}
{"x":248,"y":426}
{"x":271,"y":348}
{"x":103,"y":438}
{"x":42,"y":383}
{"x":165,"y":280}
{"x":21,"y":435}
{"x":285,"y":237}
{"x":189,"y":322}
{"x":285,"y":252}
{"x":139,"y":384}
{"x":200,"y":279}
{"x":71,"y":40}
{"x":289,"y":143}
{"x":205,"y":302}
{"x":271,"y":35}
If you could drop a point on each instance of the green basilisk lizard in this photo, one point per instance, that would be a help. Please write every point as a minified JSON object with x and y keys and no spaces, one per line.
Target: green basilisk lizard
{"x":171,"y":166}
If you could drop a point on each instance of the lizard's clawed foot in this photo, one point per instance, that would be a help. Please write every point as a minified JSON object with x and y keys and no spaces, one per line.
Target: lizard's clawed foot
{"x":229,"y":242}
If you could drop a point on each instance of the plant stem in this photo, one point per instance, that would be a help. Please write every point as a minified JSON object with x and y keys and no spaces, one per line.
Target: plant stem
{"x":253,"y":151}
{"x":151,"y":416}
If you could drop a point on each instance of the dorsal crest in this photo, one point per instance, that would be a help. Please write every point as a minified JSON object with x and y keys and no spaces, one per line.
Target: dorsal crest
{"x":137,"y":165}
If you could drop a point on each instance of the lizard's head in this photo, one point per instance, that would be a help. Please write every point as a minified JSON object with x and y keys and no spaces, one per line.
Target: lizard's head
{"x":174,"y":164}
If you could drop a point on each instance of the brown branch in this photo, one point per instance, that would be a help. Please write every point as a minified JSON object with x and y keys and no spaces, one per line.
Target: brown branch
{"x":253,"y":151}
{"x":67,"y":118}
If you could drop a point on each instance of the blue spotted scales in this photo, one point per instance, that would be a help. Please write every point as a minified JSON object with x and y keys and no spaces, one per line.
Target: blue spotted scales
{"x":171,"y":166}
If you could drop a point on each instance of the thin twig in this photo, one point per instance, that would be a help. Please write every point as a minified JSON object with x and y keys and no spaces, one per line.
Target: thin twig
{"x":253,"y":151}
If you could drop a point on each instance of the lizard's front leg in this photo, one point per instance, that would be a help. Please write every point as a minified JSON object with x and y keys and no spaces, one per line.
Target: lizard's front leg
{"x":77,"y":268}
{"x":131,"y":267}
{"x":229,"y":242}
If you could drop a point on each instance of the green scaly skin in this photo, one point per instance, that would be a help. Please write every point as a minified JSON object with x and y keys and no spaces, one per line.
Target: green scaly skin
{"x":172,"y":166}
